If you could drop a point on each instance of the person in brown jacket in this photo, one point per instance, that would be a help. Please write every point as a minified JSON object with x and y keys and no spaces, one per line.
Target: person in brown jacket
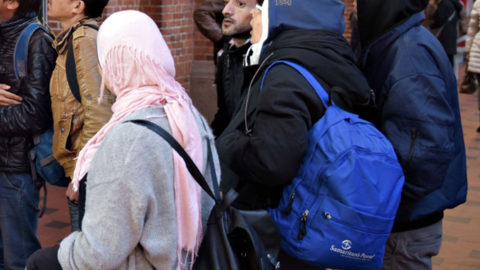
{"x":76,"y":122}
{"x":208,"y":17}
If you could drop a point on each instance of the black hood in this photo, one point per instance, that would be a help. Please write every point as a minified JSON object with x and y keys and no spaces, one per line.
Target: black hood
{"x":328,"y":56}
{"x":378,"y":17}
{"x":458,"y":5}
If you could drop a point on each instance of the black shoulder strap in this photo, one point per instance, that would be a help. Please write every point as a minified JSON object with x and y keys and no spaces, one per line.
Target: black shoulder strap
{"x":71,"y":67}
{"x":192,"y":168}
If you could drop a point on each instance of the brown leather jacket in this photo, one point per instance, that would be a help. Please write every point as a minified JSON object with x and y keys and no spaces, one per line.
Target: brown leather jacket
{"x":75,"y":123}
{"x":208,"y":18}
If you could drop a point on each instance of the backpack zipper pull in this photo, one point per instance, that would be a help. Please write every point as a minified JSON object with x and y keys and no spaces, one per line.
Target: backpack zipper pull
{"x":303,"y":225}
{"x":288,"y":209}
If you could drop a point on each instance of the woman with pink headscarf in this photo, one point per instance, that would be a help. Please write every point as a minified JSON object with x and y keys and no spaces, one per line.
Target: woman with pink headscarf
{"x":143,"y":208}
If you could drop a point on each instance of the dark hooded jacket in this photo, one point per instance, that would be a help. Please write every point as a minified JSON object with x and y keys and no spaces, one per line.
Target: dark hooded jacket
{"x":18,"y":123}
{"x":448,"y":36}
{"x":267,"y":157}
{"x":417,"y":108}
{"x":229,"y":81}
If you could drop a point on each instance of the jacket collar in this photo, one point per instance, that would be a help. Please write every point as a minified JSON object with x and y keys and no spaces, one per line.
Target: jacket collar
{"x":384,"y":42}
{"x":61,"y":42}
{"x":16,"y":24}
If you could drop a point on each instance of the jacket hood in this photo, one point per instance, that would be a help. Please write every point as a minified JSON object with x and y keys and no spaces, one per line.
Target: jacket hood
{"x":283,"y":15}
{"x":329,"y":57}
{"x":378,"y":17}
{"x":458,"y":5}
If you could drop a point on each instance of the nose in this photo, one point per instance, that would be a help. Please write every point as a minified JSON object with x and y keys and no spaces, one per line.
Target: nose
{"x":228,"y":10}
{"x":254,"y":12}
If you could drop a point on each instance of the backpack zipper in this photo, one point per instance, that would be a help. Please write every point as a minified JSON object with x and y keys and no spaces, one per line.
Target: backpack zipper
{"x":328,"y":216}
{"x":288,"y":209}
{"x":303,"y":226}
{"x":412,"y":149}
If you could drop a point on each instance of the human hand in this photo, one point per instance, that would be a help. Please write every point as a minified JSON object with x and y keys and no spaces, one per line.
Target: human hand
{"x":7,"y":98}
{"x":72,"y":195}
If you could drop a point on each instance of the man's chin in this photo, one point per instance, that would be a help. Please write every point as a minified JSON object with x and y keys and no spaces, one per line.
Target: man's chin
{"x":236,"y":34}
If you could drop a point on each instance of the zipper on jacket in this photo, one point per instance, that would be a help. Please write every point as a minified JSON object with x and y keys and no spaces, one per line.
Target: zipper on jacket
{"x":228,"y":61}
{"x":303,"y":225}
{"x":288,"y":209}
{"x":412,"y":149}
{"x":373,"y":96}
{"x":249,"y":131}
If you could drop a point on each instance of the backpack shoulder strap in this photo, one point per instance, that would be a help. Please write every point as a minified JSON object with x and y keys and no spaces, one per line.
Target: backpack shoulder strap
{"x":192,"y":168}
{"x":307,"y":75}
{"x":71,"y":67}
{"x":21,"y":50}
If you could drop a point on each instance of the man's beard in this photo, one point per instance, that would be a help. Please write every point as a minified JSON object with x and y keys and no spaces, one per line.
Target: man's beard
{"x":243,"y":32}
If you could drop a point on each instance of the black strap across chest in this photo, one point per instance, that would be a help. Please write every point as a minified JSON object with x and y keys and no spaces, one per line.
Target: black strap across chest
{"x":71,"y":67}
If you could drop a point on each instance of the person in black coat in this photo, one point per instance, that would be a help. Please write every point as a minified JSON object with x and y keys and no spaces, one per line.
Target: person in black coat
{"x":445,"y":25}
{"x":264,"y":145}
{"x":25,"y":111}
{"x":265,"y":150}
{"x":229,"y":75}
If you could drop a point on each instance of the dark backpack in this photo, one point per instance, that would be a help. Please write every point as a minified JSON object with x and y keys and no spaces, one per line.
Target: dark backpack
{"x":37,"y":154}
{"x":234,"y":239}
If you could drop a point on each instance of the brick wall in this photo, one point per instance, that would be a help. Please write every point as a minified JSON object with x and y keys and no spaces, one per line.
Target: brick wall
{"x":203,"y":47}
{"x":346,"y":15}
{"x":175,"y":20}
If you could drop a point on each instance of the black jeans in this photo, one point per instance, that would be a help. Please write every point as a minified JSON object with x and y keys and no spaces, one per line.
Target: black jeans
{"x":44,"y":259}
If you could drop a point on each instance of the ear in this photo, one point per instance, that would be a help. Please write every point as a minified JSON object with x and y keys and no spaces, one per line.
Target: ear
{"x":79,"y":7}
{"x":13,"y":5}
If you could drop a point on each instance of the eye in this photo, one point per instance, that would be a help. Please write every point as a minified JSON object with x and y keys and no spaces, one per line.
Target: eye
{"x":225,"y":3}
{"x":241,"y":4}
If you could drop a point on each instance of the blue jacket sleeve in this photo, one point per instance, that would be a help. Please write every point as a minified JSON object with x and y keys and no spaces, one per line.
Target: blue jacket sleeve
{"x":417,"y":118}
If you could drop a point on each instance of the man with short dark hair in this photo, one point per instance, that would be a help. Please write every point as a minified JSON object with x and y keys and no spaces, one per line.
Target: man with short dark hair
{"x":76,"y":119}
{"x":24,"y":111}
{"x":229,"y":78}
{"x":236,"y":24}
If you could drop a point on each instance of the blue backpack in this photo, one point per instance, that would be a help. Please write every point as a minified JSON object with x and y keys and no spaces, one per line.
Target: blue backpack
{"x":339,"y":210}
{"x":44,"y":163}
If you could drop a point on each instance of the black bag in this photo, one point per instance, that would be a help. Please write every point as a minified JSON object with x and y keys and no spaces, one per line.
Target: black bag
{"x":470,"y":83}
{"x":234,"y":239}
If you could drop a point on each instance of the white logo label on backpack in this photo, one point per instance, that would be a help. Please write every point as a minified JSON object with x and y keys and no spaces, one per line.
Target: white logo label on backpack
{"x":346,"y":244}
{"x":283,"y":2}
{"x":345,"y":252}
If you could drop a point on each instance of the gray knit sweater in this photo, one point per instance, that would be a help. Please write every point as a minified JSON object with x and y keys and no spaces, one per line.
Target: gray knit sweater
{"x":129,"y":218}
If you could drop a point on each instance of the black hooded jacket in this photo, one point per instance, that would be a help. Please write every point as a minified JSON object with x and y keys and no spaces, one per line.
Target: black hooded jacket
{"x":18,"y":123}
{"x":229,"y":81}
{"x":281,"y":114}
{"x":448,"y":36}
{"x":417,"y":109}
{"x":378,"y":17}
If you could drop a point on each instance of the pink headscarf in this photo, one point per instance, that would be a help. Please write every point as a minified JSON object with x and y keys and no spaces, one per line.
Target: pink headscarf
{"x":138,"y":64}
